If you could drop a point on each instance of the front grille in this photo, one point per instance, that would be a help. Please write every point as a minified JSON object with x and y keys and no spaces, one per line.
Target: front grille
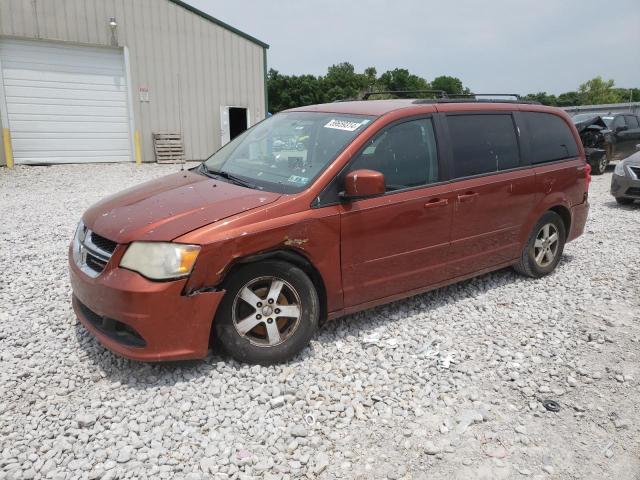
{"x":95,"y":263}
{"x":92,"y":251}
{"x":114,"y":329}
{"x":103,"y":243}
{"x":633,"y":191}
{"x":635,"y":170}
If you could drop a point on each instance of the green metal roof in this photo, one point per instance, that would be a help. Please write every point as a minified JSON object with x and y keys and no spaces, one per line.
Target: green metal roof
{"x":220,"y":23}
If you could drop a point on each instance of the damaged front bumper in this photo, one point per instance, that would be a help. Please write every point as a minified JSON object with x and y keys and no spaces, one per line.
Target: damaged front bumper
{"x":141,"y":319}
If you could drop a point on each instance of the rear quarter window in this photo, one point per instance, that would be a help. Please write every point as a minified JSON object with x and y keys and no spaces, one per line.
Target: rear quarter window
{"x":550,"y":137}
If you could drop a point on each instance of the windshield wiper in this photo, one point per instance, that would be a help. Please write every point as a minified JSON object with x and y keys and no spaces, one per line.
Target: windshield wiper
{"x":228,"y":176}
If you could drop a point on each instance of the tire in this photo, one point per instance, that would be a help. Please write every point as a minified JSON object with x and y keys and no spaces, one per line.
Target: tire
{"x":529,"y":265}
{"x":600,"y":166}
{"x":624,"y":200}
{"x":247,"y":324}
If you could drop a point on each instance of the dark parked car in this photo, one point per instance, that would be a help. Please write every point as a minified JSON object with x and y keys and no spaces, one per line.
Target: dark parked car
{"x":625,"y":181}
{"x":386,"y":200}
{"x":607,"y":137}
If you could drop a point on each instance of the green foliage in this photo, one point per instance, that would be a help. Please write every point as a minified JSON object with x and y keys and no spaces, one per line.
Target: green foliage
{"x":343,"y":82}
{"x":451,"y":85}
{"x":543,"y":97}
{"x":597,"y":91}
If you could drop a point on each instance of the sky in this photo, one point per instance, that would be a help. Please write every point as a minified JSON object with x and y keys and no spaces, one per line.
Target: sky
{"x":495,"y":46}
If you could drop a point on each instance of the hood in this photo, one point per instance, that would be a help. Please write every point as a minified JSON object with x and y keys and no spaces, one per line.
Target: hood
{"x":163,"y":209}
{"x":595,"y":122}
{"x":633,"y":160}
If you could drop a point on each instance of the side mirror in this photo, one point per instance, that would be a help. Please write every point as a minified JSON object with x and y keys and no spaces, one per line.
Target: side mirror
{"x":621,"y":128}
{"x":363,"y":183}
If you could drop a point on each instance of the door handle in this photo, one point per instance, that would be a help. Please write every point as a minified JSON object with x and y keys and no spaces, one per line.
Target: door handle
{"x":436,"y":202}
{"x":467,"y":197}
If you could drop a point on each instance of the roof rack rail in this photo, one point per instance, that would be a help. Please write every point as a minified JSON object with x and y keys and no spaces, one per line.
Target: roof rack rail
{"x":442,"y":93}
{"x":473,"y":100}
{"x":473,"y":95}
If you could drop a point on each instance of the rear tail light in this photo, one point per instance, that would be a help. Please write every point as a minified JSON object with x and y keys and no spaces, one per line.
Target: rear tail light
{"x":587,"y":177}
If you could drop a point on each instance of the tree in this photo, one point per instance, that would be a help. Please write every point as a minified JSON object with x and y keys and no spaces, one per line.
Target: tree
{"x":342,"y":82}
{"x":569,"y":99}
{"x":543,"y":97}
{"x":451,"y":85}
{"x":400,"y":79}
{"x":597,"y":91}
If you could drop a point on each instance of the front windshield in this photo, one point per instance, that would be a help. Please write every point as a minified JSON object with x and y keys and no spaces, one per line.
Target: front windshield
{"x":286,"y":152}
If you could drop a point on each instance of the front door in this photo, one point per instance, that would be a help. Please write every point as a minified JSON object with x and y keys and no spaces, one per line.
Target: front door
{"x":493,"y":192}
{"x":397,"y":242}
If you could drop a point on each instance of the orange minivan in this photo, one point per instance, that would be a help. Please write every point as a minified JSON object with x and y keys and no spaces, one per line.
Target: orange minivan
{"x":322,"y":211}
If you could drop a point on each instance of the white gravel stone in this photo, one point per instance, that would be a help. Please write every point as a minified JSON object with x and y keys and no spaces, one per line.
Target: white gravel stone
{"x":377,"y":392}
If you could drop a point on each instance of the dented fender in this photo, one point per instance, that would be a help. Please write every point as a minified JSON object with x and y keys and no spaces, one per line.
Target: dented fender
{"x":313,"y":234}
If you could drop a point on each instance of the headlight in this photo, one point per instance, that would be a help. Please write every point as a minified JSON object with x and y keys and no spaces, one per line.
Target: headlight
{"x":620,"y":170}
{"x":160,"y":261}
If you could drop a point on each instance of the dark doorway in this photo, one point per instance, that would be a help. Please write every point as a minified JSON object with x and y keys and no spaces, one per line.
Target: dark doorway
{"x":237,"y":121}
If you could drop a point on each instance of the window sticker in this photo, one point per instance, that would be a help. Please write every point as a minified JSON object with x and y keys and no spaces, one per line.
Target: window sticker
{"x":345,"y":125}
{"x":297,"y":179}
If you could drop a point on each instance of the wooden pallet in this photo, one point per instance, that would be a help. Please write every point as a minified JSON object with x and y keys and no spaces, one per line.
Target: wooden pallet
{"x":168,"y":147}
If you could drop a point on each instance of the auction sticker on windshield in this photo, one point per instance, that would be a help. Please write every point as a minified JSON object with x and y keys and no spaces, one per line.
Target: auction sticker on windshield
{"x":345,"y":125}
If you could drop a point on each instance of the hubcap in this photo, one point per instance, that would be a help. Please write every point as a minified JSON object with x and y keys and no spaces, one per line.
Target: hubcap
{"x":546,"y":245}
{"x":267,"y":311}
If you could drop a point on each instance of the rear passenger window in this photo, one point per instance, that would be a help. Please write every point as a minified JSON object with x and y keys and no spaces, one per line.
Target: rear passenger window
{"x":405,"y":154}
{"x":632,"y":121}
{"x":483,"y":144}
{"x":550,"y":137}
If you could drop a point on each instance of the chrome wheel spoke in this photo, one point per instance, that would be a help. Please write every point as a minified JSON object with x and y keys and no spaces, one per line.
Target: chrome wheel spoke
{"x":548,"y":256}
{"x":553,"y":238}
{"x":273,"y":334}
{"x":247,"y":324}
{"x":545,"y":232}
{"x":272,"y":313}
{"x":539,"y":243}
{"x":275,"y":289}
{"x":250,"y":297}
{"x":540,"y":256}
{"x":292,"y":311}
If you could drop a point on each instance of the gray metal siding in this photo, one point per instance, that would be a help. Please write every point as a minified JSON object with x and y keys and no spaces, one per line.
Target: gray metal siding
{"x":191,"y":65}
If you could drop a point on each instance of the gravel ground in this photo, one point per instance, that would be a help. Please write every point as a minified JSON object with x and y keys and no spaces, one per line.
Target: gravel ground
{"x":443,"y":385}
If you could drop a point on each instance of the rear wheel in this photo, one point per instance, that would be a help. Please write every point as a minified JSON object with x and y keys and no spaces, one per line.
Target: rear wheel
{"x":624,"y":200}
{"x":269,"y":313}
{"x":544,"y":248}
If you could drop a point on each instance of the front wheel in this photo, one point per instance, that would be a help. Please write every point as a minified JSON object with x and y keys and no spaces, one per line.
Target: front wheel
{"x":269,"y":313}
{"x":600,"y":166}
{"x":544,"y":248}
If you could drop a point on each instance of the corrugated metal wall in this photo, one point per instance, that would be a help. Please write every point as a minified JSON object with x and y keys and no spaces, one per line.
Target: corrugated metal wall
{"x":190,"y":65}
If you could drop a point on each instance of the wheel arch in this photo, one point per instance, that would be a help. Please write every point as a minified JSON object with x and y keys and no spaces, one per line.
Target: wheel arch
{"x":565,"y":215}
{"x":295,"y":258}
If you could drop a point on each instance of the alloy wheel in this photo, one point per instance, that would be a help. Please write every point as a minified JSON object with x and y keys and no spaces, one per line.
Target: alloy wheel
{"x":546,"y":245}
{"x":267,"y":311}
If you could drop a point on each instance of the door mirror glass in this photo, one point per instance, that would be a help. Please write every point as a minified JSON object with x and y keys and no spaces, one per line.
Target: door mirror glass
{"x":363,"y":183}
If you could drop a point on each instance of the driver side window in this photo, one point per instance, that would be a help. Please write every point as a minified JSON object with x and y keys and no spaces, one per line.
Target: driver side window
{"x":405,"y":154}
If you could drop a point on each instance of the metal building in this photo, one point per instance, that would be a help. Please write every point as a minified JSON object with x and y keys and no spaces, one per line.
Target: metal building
{"x":93,"y":80}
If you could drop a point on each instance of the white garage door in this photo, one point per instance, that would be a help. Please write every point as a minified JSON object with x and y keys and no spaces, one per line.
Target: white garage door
{"x":65,"y":103}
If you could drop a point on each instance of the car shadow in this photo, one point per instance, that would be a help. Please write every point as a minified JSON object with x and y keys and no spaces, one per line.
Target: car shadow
{"x":613,"y":204}
{"x":144,"y":375}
